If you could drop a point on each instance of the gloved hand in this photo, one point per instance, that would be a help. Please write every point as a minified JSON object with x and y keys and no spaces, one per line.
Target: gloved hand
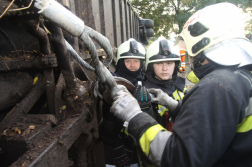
{"x":143,"y":97}
{"x":125,"y":106}
{"x":163,"y":99}
{"x":98,"y":90}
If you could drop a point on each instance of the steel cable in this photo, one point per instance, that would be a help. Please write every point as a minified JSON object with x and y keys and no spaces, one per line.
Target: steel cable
{"x":103,"y":42}
{"x":89,"y":43}
{"x":78,"y":58}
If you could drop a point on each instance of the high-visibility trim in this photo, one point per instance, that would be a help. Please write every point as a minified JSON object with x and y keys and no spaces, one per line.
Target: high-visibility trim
{"x":182,"y":58}
{"x":181,"y":95}
{"x":192,"y":77}
{"x":148,"y":136}
{"x":162,"y":110}
{"x":125,"y":131}
{"x":182,"y":52}
{"x":246,"y":125}
{"x":184,"y":90}
{"x":176,"y":95}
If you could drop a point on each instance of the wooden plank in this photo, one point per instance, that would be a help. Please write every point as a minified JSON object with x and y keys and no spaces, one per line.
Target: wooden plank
{"x":129,"y":19}
{"x":126,"y":19}
{"x":108,"y":18}
{"x":14,"y":145}
{"x":123,"y":20}
{"x":28,"y":61}
{"x":102,"y":18}
{"x":116,"y":22}
{"x":22,"y":108}
{"x":137,"y":28}
{"x":55,"y":144}
{"x":96,"y":13}
{"x":132,"y":23}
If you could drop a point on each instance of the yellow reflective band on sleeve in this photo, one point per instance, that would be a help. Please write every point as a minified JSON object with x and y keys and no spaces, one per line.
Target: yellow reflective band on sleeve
{"x":192,"y":77}
{"x":148,"y":136}
{"x":246,"y":125}
{"x":162,"y":110}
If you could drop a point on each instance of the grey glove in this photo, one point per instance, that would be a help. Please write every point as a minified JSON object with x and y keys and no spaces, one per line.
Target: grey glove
{"x":125,"y":106}
{"x":163,"y":99}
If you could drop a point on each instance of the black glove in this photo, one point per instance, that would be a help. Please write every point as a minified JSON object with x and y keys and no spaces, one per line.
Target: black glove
{"x":143,"y":97}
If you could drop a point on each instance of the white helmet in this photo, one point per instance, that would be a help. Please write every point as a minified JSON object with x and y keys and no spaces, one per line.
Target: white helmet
{"x":130,"y":49}
{"x":211,"y":28}
{"x":162,"y":50}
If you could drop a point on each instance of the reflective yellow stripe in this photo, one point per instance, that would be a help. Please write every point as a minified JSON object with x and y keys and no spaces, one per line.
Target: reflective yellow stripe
{"x":181,"y":95}
{"x":192,"y":77}
{"x":125,"y":131}
{"x":184,"y":90}
{"x":175,"y":95}
{"x":162,"y":110}
{"x":246,"y":125}
{"x":147,"y":138}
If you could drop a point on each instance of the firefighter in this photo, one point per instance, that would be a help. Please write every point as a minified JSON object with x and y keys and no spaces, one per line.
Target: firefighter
{"x":213,"y":125}
{"x":130,"y":58}
{"x":162,"y":66}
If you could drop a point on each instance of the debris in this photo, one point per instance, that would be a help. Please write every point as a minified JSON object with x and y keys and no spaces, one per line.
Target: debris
{"x":61,"y":142}
{"x":63,"y":107}
{"x":31,"y":127}
{"x":35,"y":80}
{"x":27,"y":131}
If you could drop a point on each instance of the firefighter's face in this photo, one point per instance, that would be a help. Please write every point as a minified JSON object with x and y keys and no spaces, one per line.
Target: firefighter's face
{"x":164,"y":70}
{"x":132,"y":64}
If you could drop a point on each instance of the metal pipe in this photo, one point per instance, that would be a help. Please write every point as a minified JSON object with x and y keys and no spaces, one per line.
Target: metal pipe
{"x":64,"y":18}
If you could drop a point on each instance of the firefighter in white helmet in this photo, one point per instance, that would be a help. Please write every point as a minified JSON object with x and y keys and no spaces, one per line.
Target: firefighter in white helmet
{"x":213,"y":126}
{"x":161,"y":69}
{"x":129,"y":62}
{"x":130,"y":57}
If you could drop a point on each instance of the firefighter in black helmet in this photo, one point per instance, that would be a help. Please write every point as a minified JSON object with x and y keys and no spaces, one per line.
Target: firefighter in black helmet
{"x":213,"y":126}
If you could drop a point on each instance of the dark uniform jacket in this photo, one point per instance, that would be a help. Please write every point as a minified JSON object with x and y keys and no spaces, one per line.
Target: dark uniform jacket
{"x":213,"y":127}
{"x":116,"y":151}
{"x":175,"y":88}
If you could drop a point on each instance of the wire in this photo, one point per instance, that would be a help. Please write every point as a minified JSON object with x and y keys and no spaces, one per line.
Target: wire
{"x":7,"y":8}
{"x":11,"y":10}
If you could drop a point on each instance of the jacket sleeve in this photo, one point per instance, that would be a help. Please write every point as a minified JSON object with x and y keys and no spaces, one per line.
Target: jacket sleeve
{"x":149,"y":133}
{"x":205,"y":126}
